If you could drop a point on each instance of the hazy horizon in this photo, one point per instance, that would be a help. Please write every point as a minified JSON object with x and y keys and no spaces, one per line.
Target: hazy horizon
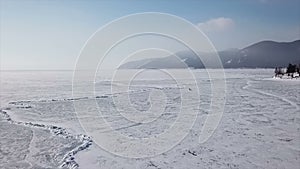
{"x":50,"y":34}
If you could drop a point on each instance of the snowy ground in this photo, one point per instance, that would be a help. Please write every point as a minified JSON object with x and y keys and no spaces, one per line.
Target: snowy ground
{"x":260,"y":127}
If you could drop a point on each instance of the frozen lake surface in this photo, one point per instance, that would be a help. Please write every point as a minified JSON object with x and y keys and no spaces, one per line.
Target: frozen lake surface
{"x":260,"y":127}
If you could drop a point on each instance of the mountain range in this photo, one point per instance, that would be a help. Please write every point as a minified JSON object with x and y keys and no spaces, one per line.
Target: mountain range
{"x":264,"y":54}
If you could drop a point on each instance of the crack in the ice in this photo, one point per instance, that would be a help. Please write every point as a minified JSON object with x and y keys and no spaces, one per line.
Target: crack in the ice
{"x":68,"y":160}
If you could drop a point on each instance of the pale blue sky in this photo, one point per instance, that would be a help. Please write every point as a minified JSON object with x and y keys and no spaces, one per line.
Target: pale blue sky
{"x":48,"y":34}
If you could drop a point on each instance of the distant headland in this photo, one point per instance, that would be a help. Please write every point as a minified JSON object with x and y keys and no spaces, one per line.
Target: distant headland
{"x":264,"y":54}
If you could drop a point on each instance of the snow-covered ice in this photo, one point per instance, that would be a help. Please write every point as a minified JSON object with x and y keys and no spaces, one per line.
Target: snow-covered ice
{"x":260,"y":127}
